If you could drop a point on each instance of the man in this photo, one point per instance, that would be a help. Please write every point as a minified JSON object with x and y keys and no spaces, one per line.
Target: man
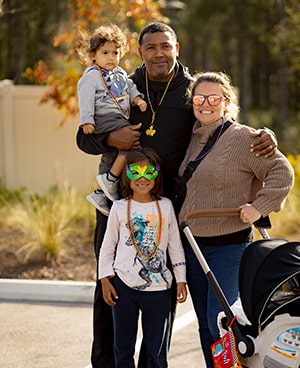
{"x":166,"y":127}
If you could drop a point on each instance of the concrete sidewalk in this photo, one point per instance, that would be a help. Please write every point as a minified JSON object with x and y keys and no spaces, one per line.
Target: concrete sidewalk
{"x":46,"y":291}
{"x":49,"y":325}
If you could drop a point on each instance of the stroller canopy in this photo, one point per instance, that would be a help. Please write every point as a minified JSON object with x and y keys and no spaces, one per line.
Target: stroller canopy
{"x":269,"y":280}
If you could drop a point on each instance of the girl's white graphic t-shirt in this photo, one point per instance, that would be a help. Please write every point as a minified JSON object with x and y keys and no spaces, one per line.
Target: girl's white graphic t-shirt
{"x":119,"y":254}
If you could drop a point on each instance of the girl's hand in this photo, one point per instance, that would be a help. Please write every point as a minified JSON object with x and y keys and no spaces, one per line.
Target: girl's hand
{"x":181,"y":292}
{"x":88,"y":128}
{"x":249,"y":214}
{"x":109,"y":292}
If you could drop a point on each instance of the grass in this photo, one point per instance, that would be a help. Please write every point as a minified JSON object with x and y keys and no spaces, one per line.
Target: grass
{"x":47,"y":219}
{"x":286,"y":223}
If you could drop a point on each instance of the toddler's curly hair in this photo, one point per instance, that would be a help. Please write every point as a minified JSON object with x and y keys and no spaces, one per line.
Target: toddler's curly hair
{"x":89,"y":44}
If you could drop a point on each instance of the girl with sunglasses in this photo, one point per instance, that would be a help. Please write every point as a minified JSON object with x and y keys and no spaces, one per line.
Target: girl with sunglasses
{"x":230,"y":175}
{"x":133,"y":268}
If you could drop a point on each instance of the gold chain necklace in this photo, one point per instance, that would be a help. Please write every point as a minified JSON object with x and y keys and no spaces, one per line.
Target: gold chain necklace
{"x":131,"y":232}
{"x":151,"y":131}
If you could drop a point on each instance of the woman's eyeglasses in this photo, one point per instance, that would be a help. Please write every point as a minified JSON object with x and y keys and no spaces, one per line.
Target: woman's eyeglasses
{"x":213,"y":100}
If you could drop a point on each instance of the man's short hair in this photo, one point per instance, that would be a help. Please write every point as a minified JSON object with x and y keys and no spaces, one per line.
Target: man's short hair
{"x":156,"y":27}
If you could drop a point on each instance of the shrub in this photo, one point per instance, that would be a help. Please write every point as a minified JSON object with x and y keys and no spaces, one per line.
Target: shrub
{"x":48,"y":219}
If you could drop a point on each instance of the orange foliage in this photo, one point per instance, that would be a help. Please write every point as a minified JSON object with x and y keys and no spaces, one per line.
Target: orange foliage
{"x":39,"y":73}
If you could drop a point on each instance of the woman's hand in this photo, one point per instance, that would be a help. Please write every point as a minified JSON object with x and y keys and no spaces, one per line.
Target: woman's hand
{"x":109,"y":292}
{"x":249,"y":214}
{"x":125,"y":139}
{"x":265,"y":144}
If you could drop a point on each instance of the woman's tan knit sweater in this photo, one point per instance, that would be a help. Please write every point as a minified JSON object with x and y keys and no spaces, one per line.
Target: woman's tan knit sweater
{"x":230,"y":176}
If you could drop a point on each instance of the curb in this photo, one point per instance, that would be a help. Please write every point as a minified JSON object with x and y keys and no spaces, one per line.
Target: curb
{"x":46,"y":291}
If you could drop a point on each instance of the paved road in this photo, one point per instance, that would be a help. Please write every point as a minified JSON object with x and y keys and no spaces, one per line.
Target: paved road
{"x":44,"y":335}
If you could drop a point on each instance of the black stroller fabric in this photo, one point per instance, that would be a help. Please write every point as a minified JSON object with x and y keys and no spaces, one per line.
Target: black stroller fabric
{"x":267,"y":268}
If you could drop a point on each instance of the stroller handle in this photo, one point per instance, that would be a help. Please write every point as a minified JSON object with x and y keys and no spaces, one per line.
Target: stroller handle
{"x":261,"y":224}
{"x":245,"y":343}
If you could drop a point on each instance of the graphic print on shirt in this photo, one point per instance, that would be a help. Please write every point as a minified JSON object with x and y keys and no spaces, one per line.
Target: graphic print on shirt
{"x":116,"y":84}
{"x":145,"y":241}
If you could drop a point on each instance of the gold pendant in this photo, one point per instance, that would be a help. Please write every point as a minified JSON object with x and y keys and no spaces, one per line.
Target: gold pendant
{"x":150,"y":132}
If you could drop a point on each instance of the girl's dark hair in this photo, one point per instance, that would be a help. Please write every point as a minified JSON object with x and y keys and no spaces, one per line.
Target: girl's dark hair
{"x":134,"y":156}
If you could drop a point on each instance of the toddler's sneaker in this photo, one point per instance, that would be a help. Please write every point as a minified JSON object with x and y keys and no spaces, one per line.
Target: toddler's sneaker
{"x":99,"y":200}
{"x":110,"y":188}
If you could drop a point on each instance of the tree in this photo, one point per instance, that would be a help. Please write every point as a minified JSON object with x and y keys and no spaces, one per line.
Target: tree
{"x":26,"y":28}
{"x":257,"y":43}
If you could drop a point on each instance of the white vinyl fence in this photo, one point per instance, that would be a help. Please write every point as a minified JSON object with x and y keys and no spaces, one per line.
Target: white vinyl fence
{"x":34,"y":152}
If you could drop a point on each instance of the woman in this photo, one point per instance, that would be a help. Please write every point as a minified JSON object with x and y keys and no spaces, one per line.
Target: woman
{"x":229,"y":176}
